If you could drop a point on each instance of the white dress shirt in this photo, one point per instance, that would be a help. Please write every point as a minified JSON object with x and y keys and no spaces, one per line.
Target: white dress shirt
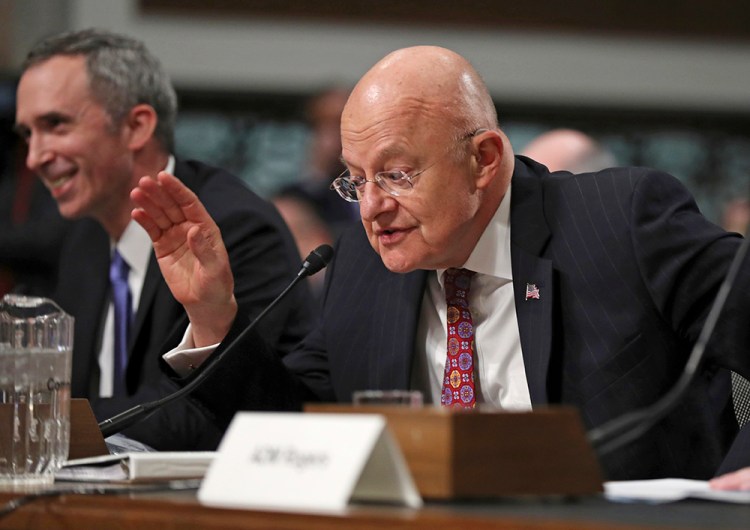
{"x":135,"y":248}
{"x":499,"y":367}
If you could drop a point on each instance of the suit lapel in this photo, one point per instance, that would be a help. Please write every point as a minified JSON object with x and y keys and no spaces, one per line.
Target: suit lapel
{"x":534,"y":318}
{"x":529,"y":236}
{"x":86,"y":263}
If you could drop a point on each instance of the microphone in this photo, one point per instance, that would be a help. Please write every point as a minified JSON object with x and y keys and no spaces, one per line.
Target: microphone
{"x":630,"y":426}
{"x":314,"y":262}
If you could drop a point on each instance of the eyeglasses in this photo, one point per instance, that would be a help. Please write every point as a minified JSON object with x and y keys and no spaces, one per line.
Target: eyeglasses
{"x":396,"y":183}
{"x":351,"y":187}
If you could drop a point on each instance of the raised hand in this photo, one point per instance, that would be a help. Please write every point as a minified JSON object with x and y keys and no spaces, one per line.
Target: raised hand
{"x":191,"y":254}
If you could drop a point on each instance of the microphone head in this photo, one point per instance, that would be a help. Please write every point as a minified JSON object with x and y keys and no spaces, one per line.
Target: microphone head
{"x":316,"y":260}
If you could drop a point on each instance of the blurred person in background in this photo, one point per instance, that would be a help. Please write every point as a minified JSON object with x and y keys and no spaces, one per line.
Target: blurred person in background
{"x":735,"y":215}
{"x":97,"y":112}
{"x":569,"y":150}
{"x":323,"y":116}
{"x":308,"y":229}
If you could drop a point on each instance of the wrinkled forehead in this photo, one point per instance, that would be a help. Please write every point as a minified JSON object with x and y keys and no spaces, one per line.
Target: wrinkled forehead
{"x":57,"y":84}
{"x":405,"y":88}
{"x":386,"y":101}
{"x":392,"y":129}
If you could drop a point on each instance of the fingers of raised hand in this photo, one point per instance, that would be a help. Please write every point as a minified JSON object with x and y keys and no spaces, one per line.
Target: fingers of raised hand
{"x":189,"y":206}
{"x":208,"y":247}
{"x":155,"y":204}
{"x":142,"y":218}
{"x":161,"y":203}
{"x":199,"y":246}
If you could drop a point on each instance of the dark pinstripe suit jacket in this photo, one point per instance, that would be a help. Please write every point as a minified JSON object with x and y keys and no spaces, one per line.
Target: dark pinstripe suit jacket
{"x":626,"y":267}
{"x":263,"y":257}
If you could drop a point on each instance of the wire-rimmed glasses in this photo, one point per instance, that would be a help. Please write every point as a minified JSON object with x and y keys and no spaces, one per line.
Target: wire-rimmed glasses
{"x":396,"y":182}
{"x":350,"y":187}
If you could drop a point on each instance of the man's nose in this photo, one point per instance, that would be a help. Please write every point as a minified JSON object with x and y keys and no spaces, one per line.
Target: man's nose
{"x":374,"y":200}
{"x":38,"y":153}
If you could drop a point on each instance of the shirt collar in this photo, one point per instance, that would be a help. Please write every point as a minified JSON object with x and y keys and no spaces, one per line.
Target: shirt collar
{"x":135,"y":248}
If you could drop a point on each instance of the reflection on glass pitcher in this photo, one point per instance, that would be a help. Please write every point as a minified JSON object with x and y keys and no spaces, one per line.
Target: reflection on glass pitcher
{"x":36,"y":339}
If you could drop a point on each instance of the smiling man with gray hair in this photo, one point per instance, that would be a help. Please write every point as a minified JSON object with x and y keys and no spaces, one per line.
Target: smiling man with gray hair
{"x":97,"y":111}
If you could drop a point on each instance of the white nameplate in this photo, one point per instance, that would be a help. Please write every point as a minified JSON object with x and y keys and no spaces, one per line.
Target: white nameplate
{"x":307,"y":462}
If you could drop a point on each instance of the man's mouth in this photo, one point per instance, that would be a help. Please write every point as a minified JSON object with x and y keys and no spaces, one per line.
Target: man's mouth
{"x":55,"y":183}
{"x":387,"y":231}
{"x":392,"y":236}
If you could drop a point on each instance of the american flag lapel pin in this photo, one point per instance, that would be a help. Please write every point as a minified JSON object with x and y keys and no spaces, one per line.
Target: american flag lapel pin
{"x":532,"y":291}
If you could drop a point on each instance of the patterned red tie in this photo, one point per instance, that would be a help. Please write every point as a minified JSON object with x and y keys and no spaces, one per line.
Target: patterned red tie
{"x":458,"y":380}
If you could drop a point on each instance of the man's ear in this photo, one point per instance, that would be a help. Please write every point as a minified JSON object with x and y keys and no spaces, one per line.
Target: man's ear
{"x":488,"y":153}
{"x":140,"y":123}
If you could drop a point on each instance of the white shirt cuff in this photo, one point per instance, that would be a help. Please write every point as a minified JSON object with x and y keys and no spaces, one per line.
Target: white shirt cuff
{"x":185,"y":357}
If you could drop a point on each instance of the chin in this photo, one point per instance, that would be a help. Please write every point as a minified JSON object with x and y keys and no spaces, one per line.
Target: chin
{"x":395,"y":259}
{"x":396,"y":263}
{"x":71,"y":211}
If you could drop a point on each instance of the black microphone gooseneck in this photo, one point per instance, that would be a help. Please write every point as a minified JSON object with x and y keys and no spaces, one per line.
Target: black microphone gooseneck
{"x":315,"y":261}
{"x":628,"y":427}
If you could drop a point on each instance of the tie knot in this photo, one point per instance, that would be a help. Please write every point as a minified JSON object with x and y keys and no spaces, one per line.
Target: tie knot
{"x":119,"y":268}
{"x":457,"y":284}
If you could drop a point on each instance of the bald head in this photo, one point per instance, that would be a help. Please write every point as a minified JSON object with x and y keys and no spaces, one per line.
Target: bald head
{"x":430,"y":80}
{"x":419,"y":136}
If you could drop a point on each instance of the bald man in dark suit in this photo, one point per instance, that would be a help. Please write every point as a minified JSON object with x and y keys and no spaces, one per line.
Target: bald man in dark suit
{"x":586,"y":290}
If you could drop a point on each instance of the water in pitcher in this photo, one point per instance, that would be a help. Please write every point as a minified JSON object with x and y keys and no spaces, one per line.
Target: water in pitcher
{"x":34,"y":414}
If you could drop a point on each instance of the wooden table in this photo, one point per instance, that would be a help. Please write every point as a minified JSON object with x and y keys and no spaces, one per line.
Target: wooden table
{"x":181,"y":511}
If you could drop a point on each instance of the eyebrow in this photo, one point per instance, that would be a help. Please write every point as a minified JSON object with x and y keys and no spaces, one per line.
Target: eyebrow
{"x":23,"y":130}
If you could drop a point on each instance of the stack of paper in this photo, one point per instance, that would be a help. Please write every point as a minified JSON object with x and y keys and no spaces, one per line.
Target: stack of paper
{"x":138,"y":467}
{"x":669,"y":490}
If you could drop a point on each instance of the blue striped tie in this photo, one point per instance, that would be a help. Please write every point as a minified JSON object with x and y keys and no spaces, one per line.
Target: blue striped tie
{"x":121,"y":300}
